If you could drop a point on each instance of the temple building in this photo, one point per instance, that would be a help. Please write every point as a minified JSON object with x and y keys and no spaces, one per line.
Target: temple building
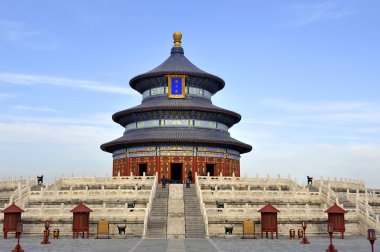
{"x":176,"y":128}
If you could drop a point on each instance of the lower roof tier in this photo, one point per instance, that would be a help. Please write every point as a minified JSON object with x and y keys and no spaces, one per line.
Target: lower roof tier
{"x":195,"y":108}
{"x":215,"y":138}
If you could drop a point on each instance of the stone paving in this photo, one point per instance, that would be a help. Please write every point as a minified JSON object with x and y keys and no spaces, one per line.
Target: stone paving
{"x":66,"y":244}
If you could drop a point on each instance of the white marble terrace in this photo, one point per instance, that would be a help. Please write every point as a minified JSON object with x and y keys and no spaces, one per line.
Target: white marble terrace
{"x":228,"y":201}
{"x":120,"y":200}
{"x":224,"y":201}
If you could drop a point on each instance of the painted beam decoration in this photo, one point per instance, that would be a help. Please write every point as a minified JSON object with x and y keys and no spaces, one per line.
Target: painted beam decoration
{"x":176,"y":86}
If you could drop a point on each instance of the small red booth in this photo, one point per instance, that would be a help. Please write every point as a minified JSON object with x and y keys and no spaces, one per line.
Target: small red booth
{"x":269,"y":220}
{"x":81,"y":220}
{"x":12,"y":216}
{"x":336,"y":218}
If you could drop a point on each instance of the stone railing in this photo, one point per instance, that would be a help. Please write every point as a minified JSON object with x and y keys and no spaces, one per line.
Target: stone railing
{"x":149,"y":205}
{"x":202,"y":205}
{"x":343,"y":184}
{"x":287,"y":213}
{"x":361,"y":202}
{"x":245,"y":181}
{"x":363,"y":209}
{"x":368,"y":221}
{"x":327,"y":194}
{"x":117,"y":180}
{"x":368,"y":195}
{"x":14,"y":183}
{"x":261,"y":195}
{"x":63,"y":212}
{"x":87,"y":194}
{"x":21,"y":195}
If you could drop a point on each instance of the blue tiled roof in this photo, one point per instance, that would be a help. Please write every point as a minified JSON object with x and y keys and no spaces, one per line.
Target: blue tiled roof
{"x":177,"y":63}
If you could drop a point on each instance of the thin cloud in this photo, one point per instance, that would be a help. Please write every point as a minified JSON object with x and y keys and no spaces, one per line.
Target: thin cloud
{"x":320,"y":106}
{"x":4,"y":96}
{"x":39,"y":132}
{"x":310,"y":13}
{"x":371,"y":130}
{"x":30,"y":108}
{"x":40,"y":129}
{"x":24,"y":79}
{"x":358,"y":117}
{"x":343,"y":119}
{"x":21,"y":35}
{"x":92,"y":120}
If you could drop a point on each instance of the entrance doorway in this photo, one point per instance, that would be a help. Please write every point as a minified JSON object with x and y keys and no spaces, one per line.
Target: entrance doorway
{"x":210,"y":169}
{"x":142,"y":169}
{"x":176,"y":173}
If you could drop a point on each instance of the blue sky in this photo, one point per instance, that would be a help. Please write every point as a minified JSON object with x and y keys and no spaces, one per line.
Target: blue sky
{"x":304,"y":75}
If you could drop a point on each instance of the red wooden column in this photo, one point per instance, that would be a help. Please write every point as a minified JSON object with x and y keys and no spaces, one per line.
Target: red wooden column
{"x":12,"y":216}
{"x":269,"y":220}
{"x":336,"y":218}
{"x":81,"y":220}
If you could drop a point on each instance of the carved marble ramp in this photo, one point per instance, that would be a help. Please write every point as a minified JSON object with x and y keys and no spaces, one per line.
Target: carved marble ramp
{"x":193,"y":218}
{"x":176,"y":212}
{"x":158,"y":216}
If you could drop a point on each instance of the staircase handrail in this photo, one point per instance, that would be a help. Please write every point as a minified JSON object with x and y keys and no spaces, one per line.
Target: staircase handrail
{"x":326,"y":192}
{"x":149,"y":205}
{"x":202,"y":205}
{"x":362,"y":205}
{"x":368,"y":220}
{"x":21,"y":194}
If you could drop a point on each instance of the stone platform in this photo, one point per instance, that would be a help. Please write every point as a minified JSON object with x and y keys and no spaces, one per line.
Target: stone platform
{"x":30,"y":244}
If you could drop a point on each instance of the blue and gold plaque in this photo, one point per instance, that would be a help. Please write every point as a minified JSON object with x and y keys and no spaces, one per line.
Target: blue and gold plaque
{"x":176,"y":86}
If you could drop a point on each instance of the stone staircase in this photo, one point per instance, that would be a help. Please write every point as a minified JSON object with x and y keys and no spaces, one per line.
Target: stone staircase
{"x":158,"y":216}
{"x":194,"y":224}
{"x":160,"y":222}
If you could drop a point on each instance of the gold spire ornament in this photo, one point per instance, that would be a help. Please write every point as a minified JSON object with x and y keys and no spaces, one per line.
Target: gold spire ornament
{"x":177,"y":36}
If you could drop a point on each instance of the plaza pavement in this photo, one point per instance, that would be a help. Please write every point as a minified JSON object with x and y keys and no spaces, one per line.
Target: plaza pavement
{"x":66,"y":244}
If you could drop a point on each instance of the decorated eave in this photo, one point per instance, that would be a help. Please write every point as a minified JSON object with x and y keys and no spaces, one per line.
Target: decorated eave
{"x":268,"y":209}
{"x":13,"y":209}
{"x":177,"y":63}
{"x":177,"y":136}
{"x":335,"y":209}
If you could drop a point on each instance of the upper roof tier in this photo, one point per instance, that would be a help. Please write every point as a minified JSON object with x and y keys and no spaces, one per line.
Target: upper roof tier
{"x":177,"y":63}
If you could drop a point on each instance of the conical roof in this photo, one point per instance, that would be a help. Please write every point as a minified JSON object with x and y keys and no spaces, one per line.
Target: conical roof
{"x":177,"y":63}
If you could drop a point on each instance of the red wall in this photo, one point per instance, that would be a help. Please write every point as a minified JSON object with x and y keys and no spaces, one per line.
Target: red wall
{"x":162,"y":165}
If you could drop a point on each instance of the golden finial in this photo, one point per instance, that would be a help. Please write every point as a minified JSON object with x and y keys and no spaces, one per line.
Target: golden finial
{"x":177,"y":36}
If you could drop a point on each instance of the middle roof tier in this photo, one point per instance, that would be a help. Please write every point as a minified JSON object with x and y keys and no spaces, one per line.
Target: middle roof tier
{"x":193,"y":108}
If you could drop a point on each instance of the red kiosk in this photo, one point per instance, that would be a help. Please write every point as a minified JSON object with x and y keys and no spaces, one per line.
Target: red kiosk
{"x":81,"y":220}
{"x":12,"y":216}
{"x":269,"y":220}
{"x":336,"y":218}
